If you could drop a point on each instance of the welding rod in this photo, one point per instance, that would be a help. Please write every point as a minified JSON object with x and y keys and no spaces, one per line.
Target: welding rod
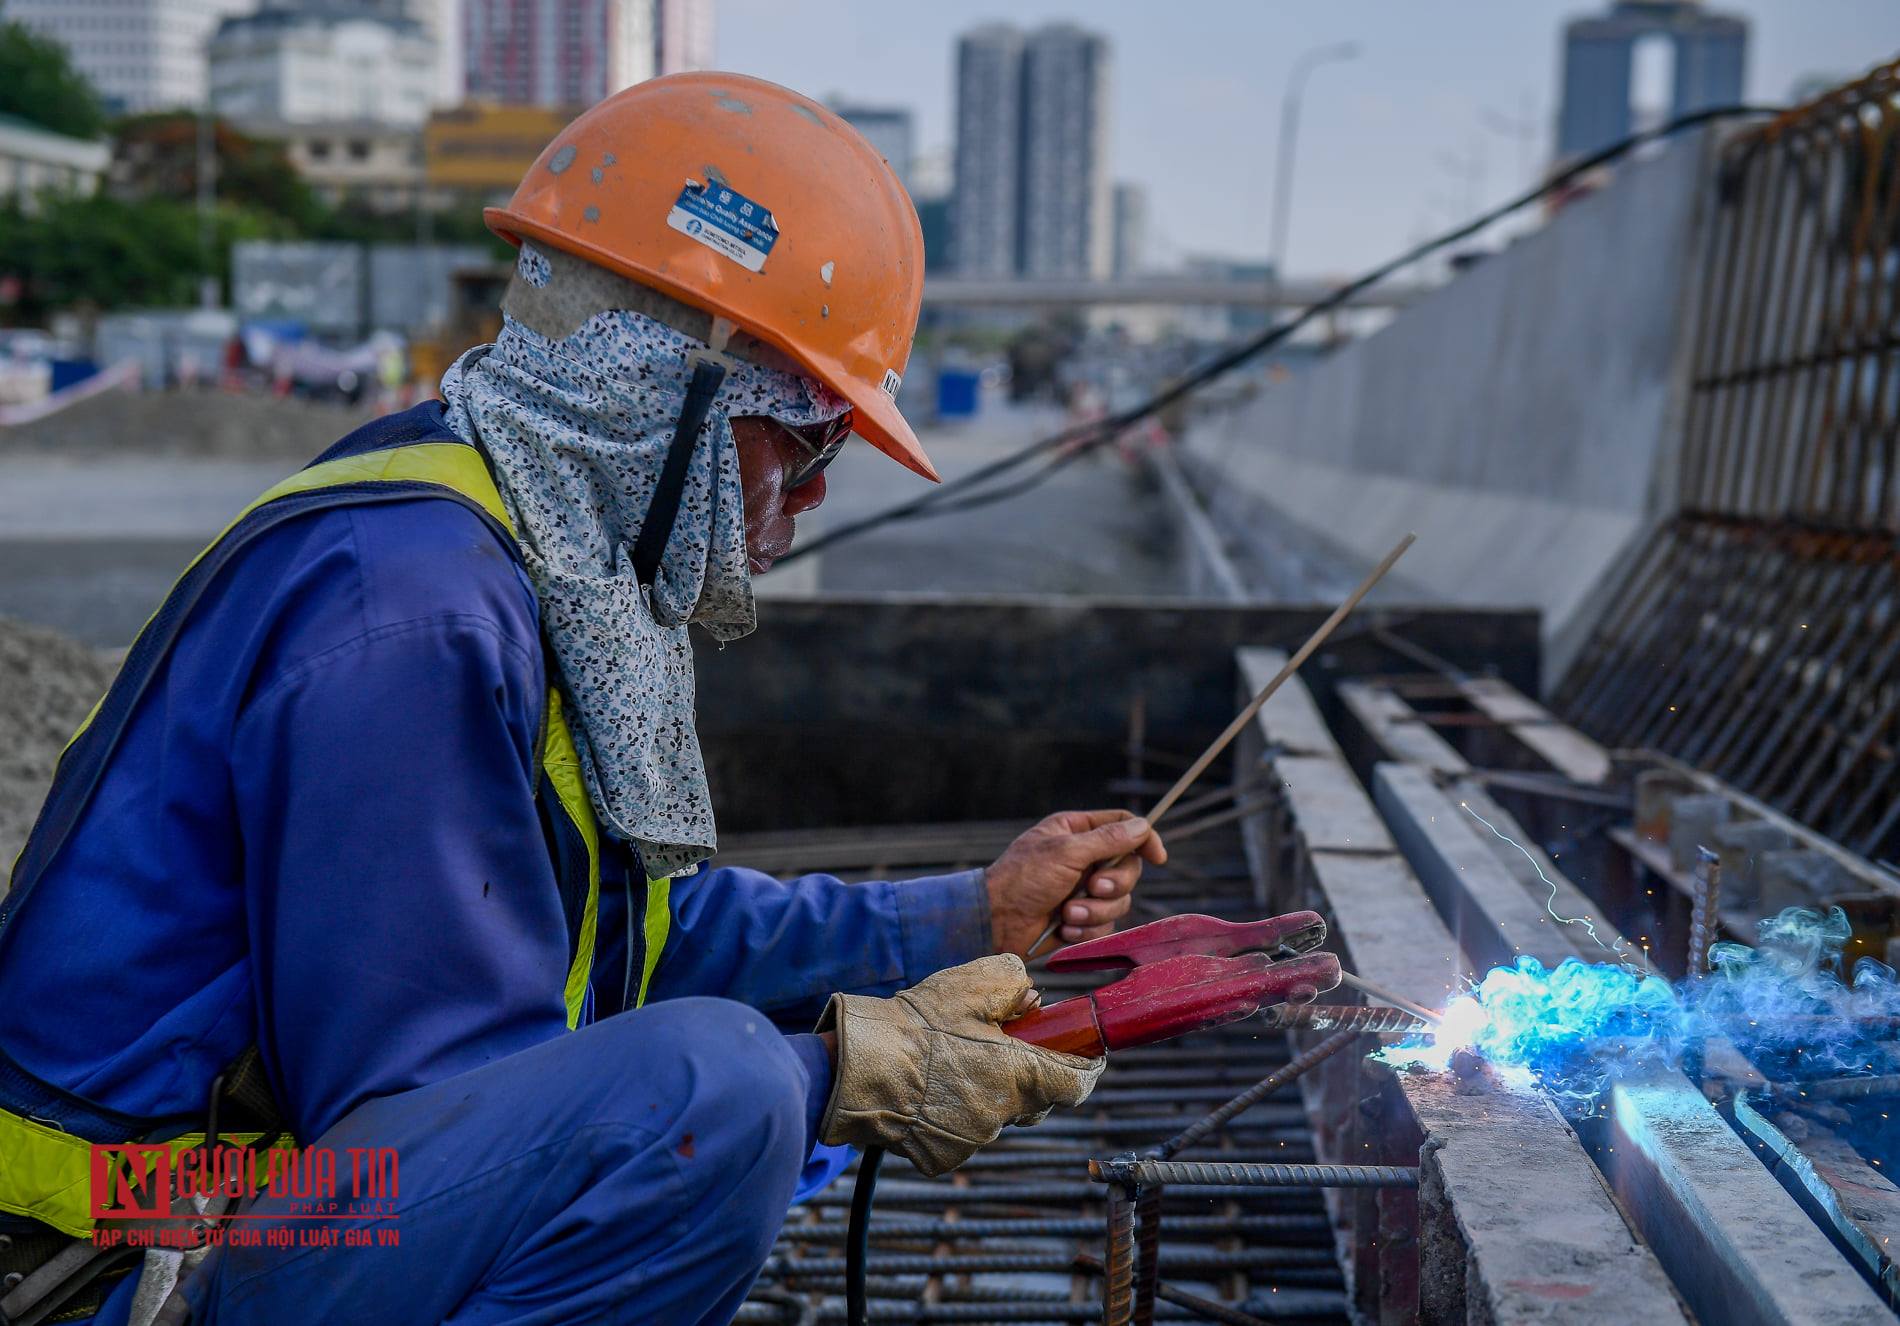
{"x":1246,"y":716}
{"x":1384,"y":996}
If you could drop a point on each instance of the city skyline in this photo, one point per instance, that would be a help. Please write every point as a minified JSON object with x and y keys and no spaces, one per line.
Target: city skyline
{"x":1195,"y":105}
{"x":1031,"y":191}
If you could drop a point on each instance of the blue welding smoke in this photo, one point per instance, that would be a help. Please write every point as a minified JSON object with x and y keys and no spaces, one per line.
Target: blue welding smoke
{"x":1786,"y":1003}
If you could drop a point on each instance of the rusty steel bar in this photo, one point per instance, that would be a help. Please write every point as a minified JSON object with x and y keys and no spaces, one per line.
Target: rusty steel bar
{"x":1253,"y":1095}
{"x":1704,"y":910}
{"x":1200,"y":1173}
{"x":1118,"y":1257}
{"x":1205,"y":1308}
{"x":1148,"y":1253}
{"x":1842,"y":1088}
{"x":1189,"y":1261}
{"x":925,"y":1193}
{"x":1280,"y":1230}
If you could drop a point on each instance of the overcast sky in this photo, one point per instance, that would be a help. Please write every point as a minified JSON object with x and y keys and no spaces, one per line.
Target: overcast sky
{"x":1196,"y":89}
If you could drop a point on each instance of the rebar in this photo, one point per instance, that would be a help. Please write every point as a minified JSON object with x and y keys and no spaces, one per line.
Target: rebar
{"x":1314,"y":1306}
{"x":1842,"y":1088}
{"x":1201,"y":1307}
{"x":1254,"y":1094}
{"x":1280,"y":1230}
{"x":1200,"y":1261}
{"x":1198,"y":1173}
{"x":1704,"y":905}
{"x":1755,"y":635}
{"x":1118,"y":1257}
{"x":996,"y":1194}
{"x":1371,"y":1019}
{"x":1384,"y":995}
{"x":1071,"y":1161}
{"x":1147,"y":1253}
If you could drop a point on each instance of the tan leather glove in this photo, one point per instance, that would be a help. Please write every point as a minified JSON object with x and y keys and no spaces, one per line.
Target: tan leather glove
{"x":929,"y":1075}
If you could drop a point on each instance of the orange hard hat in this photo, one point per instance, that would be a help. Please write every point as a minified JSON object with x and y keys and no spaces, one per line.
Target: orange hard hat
{"x":754,"y":204}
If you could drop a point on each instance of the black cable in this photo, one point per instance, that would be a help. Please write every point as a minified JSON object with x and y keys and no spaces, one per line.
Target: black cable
{"x":1094,"y":433}
{"x":857,"y":1239}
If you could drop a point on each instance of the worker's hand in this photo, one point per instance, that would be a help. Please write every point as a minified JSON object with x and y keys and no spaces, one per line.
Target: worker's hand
{"x":1038,"y":872}
{"x":928,"y":1074}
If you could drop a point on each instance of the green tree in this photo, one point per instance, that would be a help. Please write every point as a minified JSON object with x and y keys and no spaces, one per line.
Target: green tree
{"x":38,"y":83}
{"x":117,"y":253}
{"x":156,"y":156}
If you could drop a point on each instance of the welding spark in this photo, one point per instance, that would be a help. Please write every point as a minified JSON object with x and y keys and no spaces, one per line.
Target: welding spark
{"x":1550,"y":902}
{"x":1788,"y":1003}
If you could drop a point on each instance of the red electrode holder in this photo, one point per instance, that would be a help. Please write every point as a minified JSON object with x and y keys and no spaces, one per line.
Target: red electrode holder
{"x":1186,"y":974}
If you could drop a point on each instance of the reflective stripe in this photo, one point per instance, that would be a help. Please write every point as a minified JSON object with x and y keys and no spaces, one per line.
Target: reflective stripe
{"x":56,"y":1168}
{"x":562,"y":763}
{"x":659,"y":924}
{"x":45,"y":1173}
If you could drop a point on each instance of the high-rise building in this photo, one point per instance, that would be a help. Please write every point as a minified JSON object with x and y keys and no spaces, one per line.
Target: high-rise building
{"x":442,"y":20}
{"x":682,"y":36}
{"x":983,"y":231}
{"x":1599,"y":53}
{"x":1131,"y":230}
{"x":323,"y":64}
{"x":890,"y":130}
{"x":574,"y":52}
{"x":1032,"y":188}
{"x":141,"y":55}
{"x":1063,"y":216}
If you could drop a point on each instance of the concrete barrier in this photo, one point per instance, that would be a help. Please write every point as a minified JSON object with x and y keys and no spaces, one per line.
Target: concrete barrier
{"x":1515,"y":418}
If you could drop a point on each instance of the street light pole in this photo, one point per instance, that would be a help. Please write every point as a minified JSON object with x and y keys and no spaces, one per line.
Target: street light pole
{"x":207,"y":167}
{"x":1289,"y":134}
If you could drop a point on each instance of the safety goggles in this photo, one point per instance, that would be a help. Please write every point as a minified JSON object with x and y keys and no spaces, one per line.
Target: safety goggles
{"x":820,"y":443}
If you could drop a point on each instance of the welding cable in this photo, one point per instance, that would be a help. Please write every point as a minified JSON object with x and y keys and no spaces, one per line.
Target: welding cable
{"x":957,"y":494}
{"x":857,"y":1239}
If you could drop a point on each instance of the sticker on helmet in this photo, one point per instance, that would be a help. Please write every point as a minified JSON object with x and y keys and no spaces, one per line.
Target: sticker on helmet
{"x":892,"y":382}
{"x":726,"y":222}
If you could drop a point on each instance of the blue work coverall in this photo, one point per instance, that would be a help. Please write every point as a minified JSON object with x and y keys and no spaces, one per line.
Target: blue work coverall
{"x":319,"y":835}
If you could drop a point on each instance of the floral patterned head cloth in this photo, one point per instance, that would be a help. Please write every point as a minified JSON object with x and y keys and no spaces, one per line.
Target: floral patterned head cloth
{"x":577,"y":430}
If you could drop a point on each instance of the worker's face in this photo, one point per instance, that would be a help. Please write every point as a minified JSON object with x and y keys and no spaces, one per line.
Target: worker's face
{"x":767,"y":454}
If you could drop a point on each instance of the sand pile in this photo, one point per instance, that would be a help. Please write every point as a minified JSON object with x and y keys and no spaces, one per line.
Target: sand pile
{"x":47,"y":685}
